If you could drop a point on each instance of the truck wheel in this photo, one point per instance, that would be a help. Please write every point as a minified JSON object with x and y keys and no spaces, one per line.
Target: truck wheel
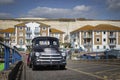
{"x":33,"y":67}
{"x":62,"y":67}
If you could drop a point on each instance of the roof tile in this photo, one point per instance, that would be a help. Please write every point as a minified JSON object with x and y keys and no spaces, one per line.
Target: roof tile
{"x":8,"y":30}
{"x":53,"y":30}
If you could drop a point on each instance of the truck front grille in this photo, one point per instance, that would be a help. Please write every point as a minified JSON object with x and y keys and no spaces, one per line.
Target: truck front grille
{"x":50,"y":58}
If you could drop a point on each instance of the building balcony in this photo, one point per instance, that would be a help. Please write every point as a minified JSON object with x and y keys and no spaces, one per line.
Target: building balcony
{"x":28,"y":37}
{"x":112,"y":44}
{"x":87,"y":44}
{"x":7,"y":38}
{"x":87,"y":36}
{"x":37,"y":31}
{"x":112,"y":36}
{"x":29,"y":32}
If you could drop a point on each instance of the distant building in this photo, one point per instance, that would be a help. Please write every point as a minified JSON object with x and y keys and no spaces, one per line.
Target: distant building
{"x":22,"y":34}
{"x":8,"y":35}
{"x":96,"y":38}
{"x":57,"y":33}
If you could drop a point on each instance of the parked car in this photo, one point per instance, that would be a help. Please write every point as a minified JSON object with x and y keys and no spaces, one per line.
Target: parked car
{"x":45,"y":52}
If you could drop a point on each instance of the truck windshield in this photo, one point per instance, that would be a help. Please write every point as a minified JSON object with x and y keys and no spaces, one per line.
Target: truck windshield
{"x":46,"y":42}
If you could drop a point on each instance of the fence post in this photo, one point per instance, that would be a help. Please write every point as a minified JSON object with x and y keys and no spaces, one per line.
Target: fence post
{"x":6,"y":55}
{"x":13,"y":56}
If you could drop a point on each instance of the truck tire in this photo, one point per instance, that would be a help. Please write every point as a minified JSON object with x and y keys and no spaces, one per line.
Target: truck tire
{"x":62,"y":67}
{"x":33,"y":67}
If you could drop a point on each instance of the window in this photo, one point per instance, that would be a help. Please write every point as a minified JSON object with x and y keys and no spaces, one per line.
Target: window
{"x":21,"y":28}
{"x":28,"y":35}
{"x":43,"y":28}
{"x":104,"y":47}
{"x":28,"y":28}
{"x":98,"y":39}
{"x":111,"y":33}
{"x":104,"y":39}
{"x":97,"y":33}
{"x":104,"y":32}
{"x":97,"y":47}
{"x":13,"y":34}
{"x":20,"y":41}
{"x":74,"y":40}
{"x":84,"y":33}
{"x":13,"y":40}
{"x":36,"y":28}
{"x":7,"y":35}
{"x":57,"y":36}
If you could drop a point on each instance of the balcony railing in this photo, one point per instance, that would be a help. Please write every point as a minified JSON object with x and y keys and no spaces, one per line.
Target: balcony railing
{"x":112,"y":36}
{"x":37,"y":31}
{"x":29,"y":31}
{"x":88,"y":44}
{"x":87,"y":36}
{"x":112,"y":44}
{"x":7,"y":37}
{"x":28,"y":37}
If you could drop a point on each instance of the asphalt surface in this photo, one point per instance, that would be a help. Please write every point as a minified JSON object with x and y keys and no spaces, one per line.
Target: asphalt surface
{"x":75,"y":70}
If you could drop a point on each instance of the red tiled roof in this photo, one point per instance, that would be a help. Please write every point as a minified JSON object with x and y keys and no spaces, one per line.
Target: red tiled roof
{"x":21,"y":24}
{"x":106,"y":27}
{"x":103,"y":27}
{"x":53,"y":30}
{"x":43,"y":25}
{"x":84,"y":28}
{"x":8,"y":30}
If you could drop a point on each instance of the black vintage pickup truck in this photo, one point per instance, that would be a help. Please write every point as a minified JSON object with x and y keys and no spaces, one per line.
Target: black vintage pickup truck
{"x":45,"y":52}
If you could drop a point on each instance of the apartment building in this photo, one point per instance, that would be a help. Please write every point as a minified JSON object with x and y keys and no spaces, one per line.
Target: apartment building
{"x":8,"y":35}
{"x":22,"y":34}
{"x":96,"y":38}
{"x":58,"y":34}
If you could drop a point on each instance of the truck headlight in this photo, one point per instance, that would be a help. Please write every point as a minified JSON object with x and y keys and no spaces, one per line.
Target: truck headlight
{"x":63,"y":54}
{"x":37,"y":53}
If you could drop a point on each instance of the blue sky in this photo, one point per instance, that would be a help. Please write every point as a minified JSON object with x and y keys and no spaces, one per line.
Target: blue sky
{"x":90,"y":9}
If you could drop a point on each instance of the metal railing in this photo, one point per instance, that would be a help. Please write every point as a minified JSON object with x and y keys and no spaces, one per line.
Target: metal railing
{"x":10,"y":55}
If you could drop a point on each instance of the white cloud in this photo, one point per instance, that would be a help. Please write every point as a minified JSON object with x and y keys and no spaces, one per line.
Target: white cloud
{"x":6,"y":1}
{"x":113,"y":4}
{"x":81,"y":8}
{"x":77,"y":11}
{"x":5,"y":15}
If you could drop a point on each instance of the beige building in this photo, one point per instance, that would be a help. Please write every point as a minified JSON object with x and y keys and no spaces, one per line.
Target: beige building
{"x":22,"y":34}
{"x":8,"y":35}
{"x":96,"y":38}
{"x":57,"y":33}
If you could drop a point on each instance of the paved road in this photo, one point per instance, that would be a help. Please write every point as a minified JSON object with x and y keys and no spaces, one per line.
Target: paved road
{"x":75,"y":70}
